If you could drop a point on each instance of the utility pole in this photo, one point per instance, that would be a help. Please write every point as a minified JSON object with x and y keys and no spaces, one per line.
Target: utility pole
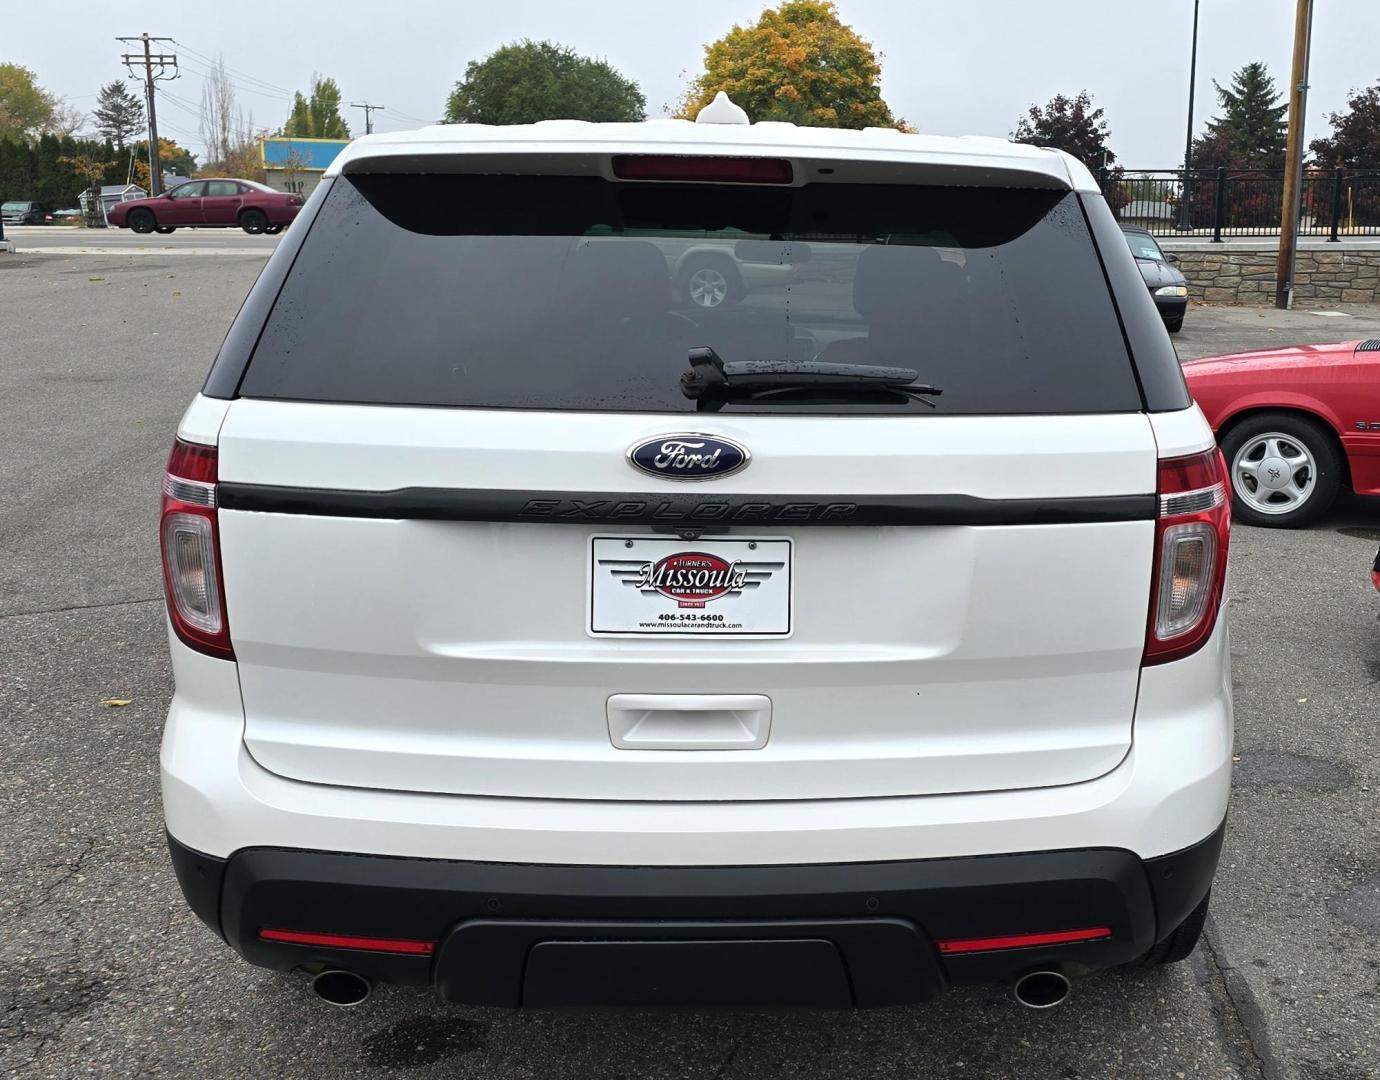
{"x":165,"y":63}
{"x":369,"y":110}
{"x":1293,"y":156}
{"x":1185,"y":221}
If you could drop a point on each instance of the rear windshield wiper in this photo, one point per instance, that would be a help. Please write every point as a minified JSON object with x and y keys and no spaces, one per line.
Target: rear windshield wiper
{"x":710,"y":377}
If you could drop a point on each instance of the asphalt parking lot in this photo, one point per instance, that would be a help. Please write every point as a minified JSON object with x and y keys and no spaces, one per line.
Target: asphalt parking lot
{"x":105,"y":972}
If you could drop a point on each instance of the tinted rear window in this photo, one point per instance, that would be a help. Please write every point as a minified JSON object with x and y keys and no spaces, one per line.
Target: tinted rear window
{"x":557,"y":292}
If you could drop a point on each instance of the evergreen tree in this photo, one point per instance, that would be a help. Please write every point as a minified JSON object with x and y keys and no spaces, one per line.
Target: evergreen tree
{"x":119,"y":114}
{"x":317,"y":117}
{"x":1252,"y":129}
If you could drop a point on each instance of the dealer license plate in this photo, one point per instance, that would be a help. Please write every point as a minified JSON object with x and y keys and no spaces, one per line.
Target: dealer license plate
{"x":651,"y":586}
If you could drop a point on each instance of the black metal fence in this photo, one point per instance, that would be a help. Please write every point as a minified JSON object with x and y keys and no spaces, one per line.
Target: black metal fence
{"x":1216,"y":203}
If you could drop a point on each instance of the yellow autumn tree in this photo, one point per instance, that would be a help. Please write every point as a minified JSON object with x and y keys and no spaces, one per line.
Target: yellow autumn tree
{"x":799,"y":63}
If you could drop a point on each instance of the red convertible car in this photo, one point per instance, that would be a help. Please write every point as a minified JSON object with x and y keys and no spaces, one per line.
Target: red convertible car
{"x":244,"y":204}
{"x":1295,"y":425}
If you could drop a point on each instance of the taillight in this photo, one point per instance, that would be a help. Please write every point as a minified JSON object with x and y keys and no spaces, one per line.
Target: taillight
{"x":189,"y":535}
{"x":1192,"y":534}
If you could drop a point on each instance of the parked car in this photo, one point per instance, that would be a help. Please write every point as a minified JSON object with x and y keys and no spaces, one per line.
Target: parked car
{"x":1295,"y":424}
{"x":68,"y":215}
{"x":25,"y":212}
{"x":712,"y":273}
{"x":546,"y":641}
{"x":1375,"y":572}
{"x":251,"y":206}
{"x":1160,"y":269}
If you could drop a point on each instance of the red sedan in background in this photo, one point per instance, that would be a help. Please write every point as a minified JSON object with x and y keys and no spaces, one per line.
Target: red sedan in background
{"x":244,"y":204}
{"x":1295,"y":425}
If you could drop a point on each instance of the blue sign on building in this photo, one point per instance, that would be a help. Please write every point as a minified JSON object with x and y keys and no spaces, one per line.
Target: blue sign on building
{"x":296,"y":165}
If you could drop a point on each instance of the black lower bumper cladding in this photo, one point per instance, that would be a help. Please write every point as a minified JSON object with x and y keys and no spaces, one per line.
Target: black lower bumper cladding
{"x":836,"y":935}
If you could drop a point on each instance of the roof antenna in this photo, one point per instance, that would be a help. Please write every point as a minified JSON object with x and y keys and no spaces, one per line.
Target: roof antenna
{"x":722,"y":111}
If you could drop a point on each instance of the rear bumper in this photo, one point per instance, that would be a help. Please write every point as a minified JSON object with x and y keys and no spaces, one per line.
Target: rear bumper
{"x":1168,"y":793}
{"x":853,"y":934}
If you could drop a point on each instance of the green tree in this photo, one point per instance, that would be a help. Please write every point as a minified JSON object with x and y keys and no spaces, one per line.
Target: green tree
{"x":1070,"y":124}
{"x":119,"y":114}
{"x":26,"y":110}
{"x":1251,"y":131}
{"x":55,"y":170}
{"x":317,"y":117}
{"x":1355,"y":139}
{"x":799,"y":63}
{"x":541,"y":80}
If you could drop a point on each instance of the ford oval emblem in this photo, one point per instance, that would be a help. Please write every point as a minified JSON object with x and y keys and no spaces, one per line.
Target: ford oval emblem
{"x":688,"y":457}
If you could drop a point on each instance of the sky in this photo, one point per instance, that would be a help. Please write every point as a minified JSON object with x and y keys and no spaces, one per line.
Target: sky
{"x":949,"y":68}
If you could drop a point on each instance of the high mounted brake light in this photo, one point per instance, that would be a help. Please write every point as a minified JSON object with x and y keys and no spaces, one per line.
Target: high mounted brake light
{"x":715,"y":170}
{"x":189,"y":537}
{"x":1192,"y":534}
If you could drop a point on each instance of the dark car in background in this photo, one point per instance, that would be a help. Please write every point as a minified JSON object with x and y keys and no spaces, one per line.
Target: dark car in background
{"x":1167,"y":284}
{"x":24,"y":212}
{"x":219,"y":203}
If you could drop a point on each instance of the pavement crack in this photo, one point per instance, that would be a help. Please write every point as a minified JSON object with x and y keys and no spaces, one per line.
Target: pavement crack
{"x":82,"y":607}
{"x":72,"y":868}
{"x":1239,"y":1017}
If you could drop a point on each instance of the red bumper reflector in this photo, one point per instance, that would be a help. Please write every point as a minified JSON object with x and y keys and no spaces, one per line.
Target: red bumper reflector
{"x":1024,"y":941}
{"x":349,"y":941}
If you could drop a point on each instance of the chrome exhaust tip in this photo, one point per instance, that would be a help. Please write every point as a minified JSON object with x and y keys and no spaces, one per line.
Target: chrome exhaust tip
{"x":340,"y":988}
{"x":1041,"y":989}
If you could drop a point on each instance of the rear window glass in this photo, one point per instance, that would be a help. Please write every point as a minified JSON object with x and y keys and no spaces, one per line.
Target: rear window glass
{"x":562,"y":292}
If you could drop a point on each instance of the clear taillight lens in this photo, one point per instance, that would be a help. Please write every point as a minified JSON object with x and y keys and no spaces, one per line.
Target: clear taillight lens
{"x":1188,"y":556}
{"x":1191,"y":538}
{"x":189,"y":536}
{"x":189,"y":552}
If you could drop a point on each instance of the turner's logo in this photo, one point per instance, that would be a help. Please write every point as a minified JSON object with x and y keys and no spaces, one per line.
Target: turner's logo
{"x":688,"y":457}
{"x":691,"y":578}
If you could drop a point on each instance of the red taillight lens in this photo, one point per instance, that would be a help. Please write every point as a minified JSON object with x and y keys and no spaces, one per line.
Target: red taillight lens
{"x":189,"y":536}
{"x":718,"y":170}
{"x":1192,"y":534}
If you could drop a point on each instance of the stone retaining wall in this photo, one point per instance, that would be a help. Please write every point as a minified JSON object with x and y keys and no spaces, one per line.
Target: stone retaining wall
{"x":1325,"y":277}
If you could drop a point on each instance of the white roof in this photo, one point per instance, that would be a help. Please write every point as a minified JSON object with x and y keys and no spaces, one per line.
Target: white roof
{"x":982,"y":159}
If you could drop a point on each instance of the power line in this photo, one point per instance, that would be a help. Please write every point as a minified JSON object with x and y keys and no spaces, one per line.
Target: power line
{"x":369,"y":111}
{"x":214,"y":61}
{"x":166,"y":63}
{"x":180,"y":103}
{"x":197,"y":67}
{"x":414,"y":119}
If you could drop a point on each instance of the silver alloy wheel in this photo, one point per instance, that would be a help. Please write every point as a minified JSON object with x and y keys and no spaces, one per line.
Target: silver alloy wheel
{"x":1274,"y":473}
{"x":708,"y":287}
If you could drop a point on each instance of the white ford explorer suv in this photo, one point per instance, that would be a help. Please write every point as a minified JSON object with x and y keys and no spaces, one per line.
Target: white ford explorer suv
{"x":547,"y":638}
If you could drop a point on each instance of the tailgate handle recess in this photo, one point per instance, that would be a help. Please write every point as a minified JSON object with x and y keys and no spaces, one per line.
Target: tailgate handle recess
{"x":689,"y":721}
